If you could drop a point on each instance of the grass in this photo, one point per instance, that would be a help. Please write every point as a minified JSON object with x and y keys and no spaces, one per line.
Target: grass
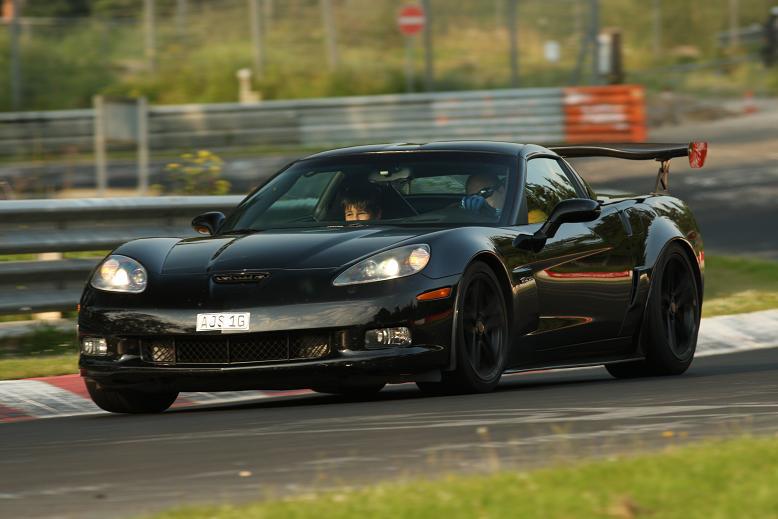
{"x":736,"y":285}
{"x":721,"y":479}
{"x":65,"y":255}
{"x":44,"y":366}
{"x":44,"y":352}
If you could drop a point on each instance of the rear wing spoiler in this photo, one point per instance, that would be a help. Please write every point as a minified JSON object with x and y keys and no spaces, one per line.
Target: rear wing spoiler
{"x":696,"y":151}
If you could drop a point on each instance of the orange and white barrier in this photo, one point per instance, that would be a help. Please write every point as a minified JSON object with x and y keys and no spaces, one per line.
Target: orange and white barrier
{"x":614,"y":113}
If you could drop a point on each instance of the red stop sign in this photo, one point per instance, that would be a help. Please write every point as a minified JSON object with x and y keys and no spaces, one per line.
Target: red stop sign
{"x":411,"y":20}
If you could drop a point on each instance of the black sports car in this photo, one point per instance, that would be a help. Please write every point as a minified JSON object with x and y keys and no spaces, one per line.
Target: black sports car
{"x":446,"y":264}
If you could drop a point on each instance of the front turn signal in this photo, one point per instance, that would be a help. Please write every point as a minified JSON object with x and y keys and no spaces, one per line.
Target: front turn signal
{"x":431,"y":295}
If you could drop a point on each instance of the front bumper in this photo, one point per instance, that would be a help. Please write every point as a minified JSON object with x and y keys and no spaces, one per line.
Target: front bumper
{"x":345,"y":322}
{"x":385,"y":365}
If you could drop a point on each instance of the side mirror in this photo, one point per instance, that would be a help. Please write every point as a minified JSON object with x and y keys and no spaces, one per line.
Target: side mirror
{"x":208,"y":223}
{"x":571,"y":210}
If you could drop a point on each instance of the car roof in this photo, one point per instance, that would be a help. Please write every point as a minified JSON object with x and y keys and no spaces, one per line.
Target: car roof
{"x":505,"y":148}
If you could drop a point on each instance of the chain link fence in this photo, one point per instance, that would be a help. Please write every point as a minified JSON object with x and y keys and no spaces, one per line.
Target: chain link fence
{"x":190,"y":51}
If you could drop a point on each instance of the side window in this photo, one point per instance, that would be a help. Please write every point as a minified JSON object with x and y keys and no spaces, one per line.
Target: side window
{"x":547,"y":185}
{"x":581,"y":181}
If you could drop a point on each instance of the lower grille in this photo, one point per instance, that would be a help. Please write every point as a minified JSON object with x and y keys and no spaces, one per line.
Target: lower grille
{"x":308,"y":347}
{"x":234,"y":349}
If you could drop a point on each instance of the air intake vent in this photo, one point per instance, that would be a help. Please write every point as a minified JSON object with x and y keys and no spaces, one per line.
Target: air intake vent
{"x":240,"y":277}
{"x":235,"y":349}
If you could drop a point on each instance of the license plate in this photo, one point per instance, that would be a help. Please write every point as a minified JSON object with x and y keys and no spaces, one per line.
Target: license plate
{"x":223,"y":321}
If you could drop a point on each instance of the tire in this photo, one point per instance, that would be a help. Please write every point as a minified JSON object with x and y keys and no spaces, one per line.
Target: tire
{"x":671,"y":322}
{"x":350,"y":390}
{"x":482,"y":336}
{"x":129,"y":401}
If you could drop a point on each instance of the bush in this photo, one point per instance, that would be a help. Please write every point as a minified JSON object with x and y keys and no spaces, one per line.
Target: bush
{"x":197,"y":174}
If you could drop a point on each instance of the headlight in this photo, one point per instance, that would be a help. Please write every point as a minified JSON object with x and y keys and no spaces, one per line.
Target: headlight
{"x":120,"y":274}
{"x":395,"y":263}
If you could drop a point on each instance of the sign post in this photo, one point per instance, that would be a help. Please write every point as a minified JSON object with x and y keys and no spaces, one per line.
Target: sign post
{"x":143,"y":146}
{"x":124,"y":121}
{"x":101,"y":165}
{"x":514,"y":44}
{"x":410,"y":21}
{"x":16,"y":71}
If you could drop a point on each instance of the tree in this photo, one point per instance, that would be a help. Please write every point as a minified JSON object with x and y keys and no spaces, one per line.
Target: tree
{"x":117,"y":8}
{"x":56,"y":8}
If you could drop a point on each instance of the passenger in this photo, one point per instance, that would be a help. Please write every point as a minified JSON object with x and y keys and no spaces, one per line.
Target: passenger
{"x":362,"y":204}
{"x":485,"y":195}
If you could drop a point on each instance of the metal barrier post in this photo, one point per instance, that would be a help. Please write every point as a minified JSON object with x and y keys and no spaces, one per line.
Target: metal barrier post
{"x":143,"y":146}
{"x":101,"y":166}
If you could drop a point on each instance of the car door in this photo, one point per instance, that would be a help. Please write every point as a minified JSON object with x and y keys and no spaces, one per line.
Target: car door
{"x":583,"y":274}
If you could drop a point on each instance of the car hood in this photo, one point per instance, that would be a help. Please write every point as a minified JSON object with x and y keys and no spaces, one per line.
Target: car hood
{"x":287,"y":249}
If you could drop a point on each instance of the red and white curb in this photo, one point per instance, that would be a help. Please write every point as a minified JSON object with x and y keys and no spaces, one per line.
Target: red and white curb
{"x":66,"y":395}
{"x":50,"y":397}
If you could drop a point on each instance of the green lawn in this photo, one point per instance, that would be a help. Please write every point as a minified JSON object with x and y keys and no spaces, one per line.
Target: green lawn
{"x":721,"y":479}
{"x":65,"y":255}
{"x":44,"y":352}
{"x":44,"y":366}
{"x":735,"y":285}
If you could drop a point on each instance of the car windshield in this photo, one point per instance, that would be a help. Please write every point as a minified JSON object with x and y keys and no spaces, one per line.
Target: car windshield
{"x":397,"y":188}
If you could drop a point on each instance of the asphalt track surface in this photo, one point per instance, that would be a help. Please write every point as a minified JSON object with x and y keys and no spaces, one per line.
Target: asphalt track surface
{"x":116,"y":466}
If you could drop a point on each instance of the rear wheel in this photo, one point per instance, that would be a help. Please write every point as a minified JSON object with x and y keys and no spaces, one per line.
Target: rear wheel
{"x":671,"y":322}
{"x":481,"y":335}
{"x":129,"y":401}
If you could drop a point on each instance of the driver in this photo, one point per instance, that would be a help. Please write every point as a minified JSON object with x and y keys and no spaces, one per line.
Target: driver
{"x":362,"y":203}
{"x":485,"y":195}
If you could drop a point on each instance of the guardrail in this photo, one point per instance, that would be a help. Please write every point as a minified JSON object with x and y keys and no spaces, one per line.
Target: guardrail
{"x":44,"y":226}
{"x":537,"y":115}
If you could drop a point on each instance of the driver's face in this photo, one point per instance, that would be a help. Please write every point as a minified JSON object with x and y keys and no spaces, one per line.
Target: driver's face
{"x":478,"y":182}
{"x":353,"y":214}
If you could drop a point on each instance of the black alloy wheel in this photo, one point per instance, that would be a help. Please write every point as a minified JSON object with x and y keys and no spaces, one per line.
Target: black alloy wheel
{"x":483,"y":327}
{"x":482,"y":333}
{"x":668,"y":334}
{"x":680,"y":307}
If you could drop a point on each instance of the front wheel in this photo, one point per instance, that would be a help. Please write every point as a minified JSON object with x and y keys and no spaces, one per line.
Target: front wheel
{"x":481,"y":335}
{"x":129,"y":401}
{"x":671,"y":322}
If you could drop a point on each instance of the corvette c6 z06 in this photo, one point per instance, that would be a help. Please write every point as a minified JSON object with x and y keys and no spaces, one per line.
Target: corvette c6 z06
{"x":446,"y":264}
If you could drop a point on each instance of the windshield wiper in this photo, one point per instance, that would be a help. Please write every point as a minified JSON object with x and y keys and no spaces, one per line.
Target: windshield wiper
{"x":241,"y":231}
